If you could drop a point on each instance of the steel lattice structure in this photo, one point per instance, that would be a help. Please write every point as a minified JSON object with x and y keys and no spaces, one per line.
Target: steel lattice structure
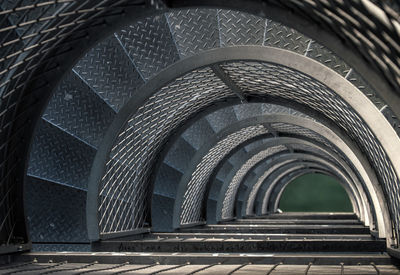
{"x":156,"y":115}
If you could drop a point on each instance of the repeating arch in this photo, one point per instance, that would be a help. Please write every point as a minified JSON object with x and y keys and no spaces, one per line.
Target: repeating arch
{"x":184,"y":82}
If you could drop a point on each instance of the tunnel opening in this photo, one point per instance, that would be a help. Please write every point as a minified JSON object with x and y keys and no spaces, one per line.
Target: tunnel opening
{"x":314,"y":192}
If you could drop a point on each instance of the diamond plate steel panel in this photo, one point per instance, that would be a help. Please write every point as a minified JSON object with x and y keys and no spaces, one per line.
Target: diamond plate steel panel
{"x":75,"y":108}
{"x":237,"y":157}
{"x":194,"y":30}
{"x":55,"y":213}
{"x":220,"y":119}
{"x":180,"y":155}
{"x":238,"y":28}
{"x":327,"y":58}
{"x":167,"y":181}
{"x":364,"y":87}
{"x":277,"y":109}
{"x":109,"y":71}
{"x":59,"y":157}
{"x":150,"y":45}
{"x":224,"y":171}
{"x":244,"y":111}
{"x":161,"y":214}
{"x":198,"y":133}
{"x":215,"y":188}
{"x":280,"y":36}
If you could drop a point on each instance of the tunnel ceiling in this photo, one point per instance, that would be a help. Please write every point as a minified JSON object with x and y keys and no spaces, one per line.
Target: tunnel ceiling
{"x":182,"y":117}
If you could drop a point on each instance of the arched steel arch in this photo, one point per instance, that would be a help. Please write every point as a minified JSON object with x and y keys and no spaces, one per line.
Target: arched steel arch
{"x":334,"y":137}
{"x":30,"y":81}
{"x":317,"y":72}
{"x":206,"y":161}
{"x":357,"y":159}
{"x":357,"y":188}
{"x":246,"y":168}
{"x":367,"y":210}
{"x":278,"y":190}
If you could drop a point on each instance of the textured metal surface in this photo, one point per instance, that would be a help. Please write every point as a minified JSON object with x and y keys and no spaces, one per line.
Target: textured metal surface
{"x":16,"y":123}
{"x":281,"y":36}
{"x":55,"y":213}
{"x":127,"y":169}
{"x":149,"y":44}
{"x":230,"y":194}
{"x":38,"y":32}
{"x":195,"y":188}
{"x":76,"y":109}
{"x":297,"y":130}
{"x":179,"y":155}
{"x":198,"y":133}
{"x":224,"y":170}
{"x":194,"y":30}
{"x":313,"y":94}
{"x":186,"y":269}
{"x":166,"y":182}
{"x":329,"y":59}
{"x":108,"y":70}
{"x":59,"y":157}
{"x":161,"y":212}
{"x":237,"y":180}
{"x":220,"y":119}
{"x":244,"y":111}
{"x":237,"y":28}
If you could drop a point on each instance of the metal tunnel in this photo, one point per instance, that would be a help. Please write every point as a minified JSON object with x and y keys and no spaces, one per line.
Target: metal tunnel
{"x":122,"y":119}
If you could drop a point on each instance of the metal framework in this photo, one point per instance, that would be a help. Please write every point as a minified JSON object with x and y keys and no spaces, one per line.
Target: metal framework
{"x":41,"y":41}
{"x":246,"y":169}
